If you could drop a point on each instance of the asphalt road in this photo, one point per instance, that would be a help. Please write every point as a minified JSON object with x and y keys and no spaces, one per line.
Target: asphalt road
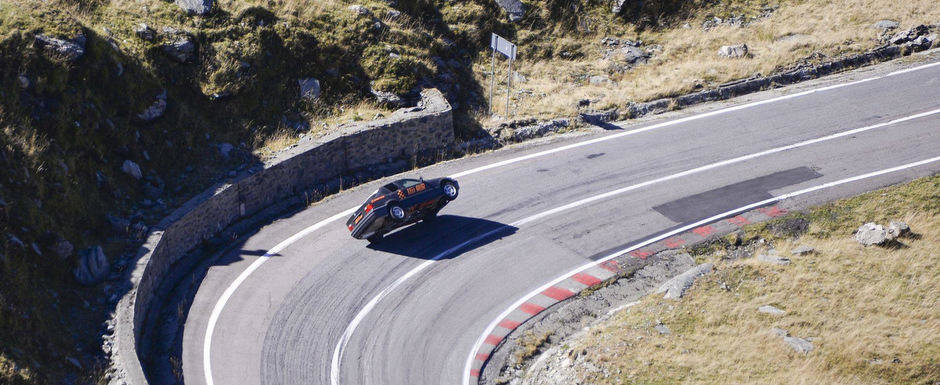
{"x":282,"y":322}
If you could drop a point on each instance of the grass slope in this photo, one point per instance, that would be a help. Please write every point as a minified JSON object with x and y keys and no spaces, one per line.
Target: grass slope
{"x":871,"y":312}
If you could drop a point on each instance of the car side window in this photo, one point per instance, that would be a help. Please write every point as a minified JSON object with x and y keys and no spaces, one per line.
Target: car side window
{"x":390,"y":187}
{"x":410,"y":183}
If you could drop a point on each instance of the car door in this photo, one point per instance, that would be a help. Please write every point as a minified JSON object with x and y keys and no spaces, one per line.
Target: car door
{"x":414,"y":192}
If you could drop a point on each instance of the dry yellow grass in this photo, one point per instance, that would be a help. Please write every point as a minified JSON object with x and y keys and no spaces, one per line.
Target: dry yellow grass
{"x":872,"y":313}
{"x":689,"y":56}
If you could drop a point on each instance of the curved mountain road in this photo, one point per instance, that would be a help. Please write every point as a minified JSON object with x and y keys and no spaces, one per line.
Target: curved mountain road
{"x":282,"y":323}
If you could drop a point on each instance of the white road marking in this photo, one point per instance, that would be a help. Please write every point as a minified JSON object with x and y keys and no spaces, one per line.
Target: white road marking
{"x":351,"y":327}
{"x":220,"y":304}
{"x":489,"y":329}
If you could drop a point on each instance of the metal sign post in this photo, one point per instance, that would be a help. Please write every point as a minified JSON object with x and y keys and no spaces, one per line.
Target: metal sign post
{"x":503,"y":46}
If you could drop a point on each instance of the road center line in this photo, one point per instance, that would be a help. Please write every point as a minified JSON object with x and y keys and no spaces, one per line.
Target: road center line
{"x":340,"y":347}
{"x":489,"y":329}
{"x":229,"y":291}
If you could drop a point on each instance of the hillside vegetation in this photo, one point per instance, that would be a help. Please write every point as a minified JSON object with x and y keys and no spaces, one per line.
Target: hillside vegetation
{"x":115,"y":112}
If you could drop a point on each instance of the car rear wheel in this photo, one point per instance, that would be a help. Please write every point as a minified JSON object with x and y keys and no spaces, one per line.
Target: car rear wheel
{"x":450,"y":190}
{"x":396,"y":212}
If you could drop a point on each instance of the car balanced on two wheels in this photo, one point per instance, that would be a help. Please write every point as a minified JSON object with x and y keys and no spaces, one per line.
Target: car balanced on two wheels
{"x":401,"y":203}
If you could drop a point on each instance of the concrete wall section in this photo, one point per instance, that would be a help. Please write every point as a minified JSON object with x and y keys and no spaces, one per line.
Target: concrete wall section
{"x":427,"y":127}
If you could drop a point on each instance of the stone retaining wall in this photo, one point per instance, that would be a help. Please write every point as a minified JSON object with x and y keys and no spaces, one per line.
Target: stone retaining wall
{"x":407,"y":132}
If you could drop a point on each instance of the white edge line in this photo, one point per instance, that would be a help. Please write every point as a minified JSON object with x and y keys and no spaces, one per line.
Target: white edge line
{"x":220,"y":304}
{"x":505,"y":313}
{"x":340,"y":347}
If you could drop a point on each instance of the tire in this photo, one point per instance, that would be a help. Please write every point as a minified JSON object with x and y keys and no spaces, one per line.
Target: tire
{"x":395,"y":212}
{"x":375,"y":237}
{"x":450,"y":190}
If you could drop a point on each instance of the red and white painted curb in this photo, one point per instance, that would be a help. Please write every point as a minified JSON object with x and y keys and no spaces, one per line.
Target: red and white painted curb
{"x":598,"y":274}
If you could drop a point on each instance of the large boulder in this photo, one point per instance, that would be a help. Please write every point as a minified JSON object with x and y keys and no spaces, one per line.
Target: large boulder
{"x":68,"y":50}
{"x":886,"y":24}
{"x":872,"y":234}
{"x":92,"y":266}
{"x":909,"y":35}
{"x":514,"y":8}
{"x":195,"y":7}
{"x":733,"y":51}
{"x":132,"y":169}
{"x":309,"y":88}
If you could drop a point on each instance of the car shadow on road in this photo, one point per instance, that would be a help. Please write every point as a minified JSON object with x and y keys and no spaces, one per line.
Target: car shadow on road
{"x":448,"y":236}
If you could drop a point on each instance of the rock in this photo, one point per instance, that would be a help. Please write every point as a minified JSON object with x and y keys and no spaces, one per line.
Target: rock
{"x":662,"y":329}
{"x":62,"y":248}
{"x":359,"y":10}
{"x":767,"y":309}
{"x":23,"y":81}
{"x":181,"y":49}
{"x":385,"y":97}
{"x":920,"y":43}
{"x":909,"y":35}
{"x":514,"y":8}
{"x":779,"y":332}
{"x":74,"y":362}
{"x":898,"y":229}
{"x":132,"y":169}
{"x":156,"y":109}
{"x":92,"y":266}
{"x":599,"y":79}
{"x":518,"y":78}
{"x":675,"y":288}
{"x":309,"y":88}
{"x":16,"y":241}
{"x":872,"y":234}
{"x":802,"y":250}
{"x":36,"y":248}
{"x":195,"y":7}
{"x":69,"y":50}
{"x":798,"y":344}
{"x":144,"y":32}
{"x":225,"y":149}
{"x":886,"y":24}
{"x":633,"y":55}
{"x":393,"y":14}
{"x":733,"y":51}
{"x":771,"y":257}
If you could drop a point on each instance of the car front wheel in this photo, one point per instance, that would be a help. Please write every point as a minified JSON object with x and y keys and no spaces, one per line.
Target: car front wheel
{"x":450,"y":190}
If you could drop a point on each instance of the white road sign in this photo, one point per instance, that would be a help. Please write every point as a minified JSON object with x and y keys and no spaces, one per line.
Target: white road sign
{"x":503,"y":46}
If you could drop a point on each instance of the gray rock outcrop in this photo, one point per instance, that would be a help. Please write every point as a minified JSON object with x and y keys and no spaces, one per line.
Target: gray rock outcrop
{"x":195,"y":7}
{"x":181,"y":49}
{"x":733,"y":51}
{"x":62,"y":248}
{"x":675,"y":288}
{"x":92,"y":266}
{"x":872,"y":234}
{"x":798,"y":344}
{"x":23,"y":81}
{"x":910,"y":34}
{"x":886,"y":24}
{"x":68,"y":50}
{"x":768,"y":309}
{"x":898,"y":229}
{"x":802,"y":250}
{"x":156,"y":109}
{"x":770,"y":256}
{"x":132,"y":169}
{"x":360,"y":10}
{"x":309,"y":88}
{"x":388,"y":98}
{"x":599,"y":79}
{"x":514,"y":8}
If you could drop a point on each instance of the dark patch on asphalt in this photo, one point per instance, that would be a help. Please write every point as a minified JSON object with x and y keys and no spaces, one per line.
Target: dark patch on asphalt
{"x":599,"y":154}
{"x":729,"y":197}
{"x":542,"y":170}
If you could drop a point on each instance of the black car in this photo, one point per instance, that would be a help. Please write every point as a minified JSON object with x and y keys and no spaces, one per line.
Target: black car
{"x":400,"y":203}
